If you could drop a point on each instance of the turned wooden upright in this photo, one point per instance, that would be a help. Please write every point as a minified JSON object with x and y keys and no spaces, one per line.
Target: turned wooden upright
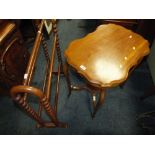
{"x":105,"y":58}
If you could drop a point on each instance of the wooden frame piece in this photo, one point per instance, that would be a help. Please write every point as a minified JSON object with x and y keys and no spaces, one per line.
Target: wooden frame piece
{"x":20,"y":93}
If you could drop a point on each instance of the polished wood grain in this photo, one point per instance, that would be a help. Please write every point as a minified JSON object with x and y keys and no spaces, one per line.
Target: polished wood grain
{"x":106,"y":56}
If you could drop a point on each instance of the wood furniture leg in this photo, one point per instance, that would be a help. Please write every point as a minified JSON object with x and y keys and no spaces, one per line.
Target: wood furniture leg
{"x":88,"y":88}
{"x":96,"y":104}
{"x":55,"y":31}
{"x":100,"y":101}
{"x":57,"y":89}
{"x":44,"y":45}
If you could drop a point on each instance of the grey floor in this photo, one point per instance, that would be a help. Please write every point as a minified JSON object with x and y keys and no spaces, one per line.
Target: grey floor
{"x":117,"y":116}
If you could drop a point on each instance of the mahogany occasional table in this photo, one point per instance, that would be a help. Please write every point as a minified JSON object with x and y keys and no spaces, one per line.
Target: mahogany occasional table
{"x":104,"y":58}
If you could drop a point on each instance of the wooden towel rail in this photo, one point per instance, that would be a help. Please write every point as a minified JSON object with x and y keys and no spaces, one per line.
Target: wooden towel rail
{"x":20,"y":93}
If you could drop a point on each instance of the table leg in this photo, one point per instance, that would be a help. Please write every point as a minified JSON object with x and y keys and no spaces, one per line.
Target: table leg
{"x":89,"y":88}
{"x":99,"y":103}
{"x":96,"y":105}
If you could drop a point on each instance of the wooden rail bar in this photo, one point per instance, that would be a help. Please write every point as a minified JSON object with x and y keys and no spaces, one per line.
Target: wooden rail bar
{"x":33,"y":57}
{"x":57,"y":88}
{"x":49,"y":79}
{"x":44,"y":88}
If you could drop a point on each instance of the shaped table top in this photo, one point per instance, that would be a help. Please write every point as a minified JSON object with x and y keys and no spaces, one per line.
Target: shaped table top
{"x":105,"y":56}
